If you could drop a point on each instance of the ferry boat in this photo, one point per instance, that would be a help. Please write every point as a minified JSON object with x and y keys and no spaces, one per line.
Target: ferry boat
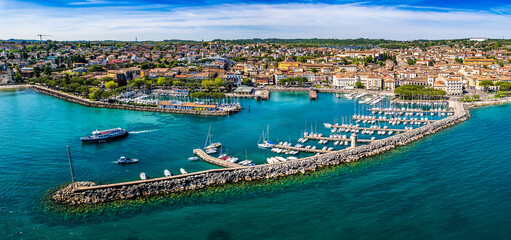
{"x":105,"y":135}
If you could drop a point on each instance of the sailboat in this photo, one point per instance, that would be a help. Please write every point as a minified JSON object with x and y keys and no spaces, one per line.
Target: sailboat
{"x":209,"y":145}
{"x":265,"y":137}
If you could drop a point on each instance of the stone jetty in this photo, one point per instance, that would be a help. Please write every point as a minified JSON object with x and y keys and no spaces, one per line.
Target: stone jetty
{"x":90,"y":193}
{"x":89,"y":103}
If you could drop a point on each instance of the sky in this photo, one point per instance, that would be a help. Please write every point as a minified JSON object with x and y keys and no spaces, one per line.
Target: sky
{"x":242,"y":19}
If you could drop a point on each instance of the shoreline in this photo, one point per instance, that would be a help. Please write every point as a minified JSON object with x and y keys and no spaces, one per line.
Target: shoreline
{"x":90,"y":193}
{"x":89,"y":103}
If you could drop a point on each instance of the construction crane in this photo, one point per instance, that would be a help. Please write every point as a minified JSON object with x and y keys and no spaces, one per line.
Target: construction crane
{"x":41,"y":36}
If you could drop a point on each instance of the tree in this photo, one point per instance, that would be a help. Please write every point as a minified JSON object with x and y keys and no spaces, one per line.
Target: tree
{"x":314,"y":70}
{"x":486,"y":84}
{"x":359,"y":85}
{"x":505,"y":86}
{"x":411,"y":61}
{"x":246,"y":81}
{"x":111,"y":85}
{"x":475,"y":97}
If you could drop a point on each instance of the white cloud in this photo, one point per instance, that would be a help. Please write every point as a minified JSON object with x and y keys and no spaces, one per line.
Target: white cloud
{"x":158,"y":22}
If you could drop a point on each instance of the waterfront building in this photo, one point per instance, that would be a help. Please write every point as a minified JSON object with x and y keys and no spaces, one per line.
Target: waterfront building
{"x":345,"y":81}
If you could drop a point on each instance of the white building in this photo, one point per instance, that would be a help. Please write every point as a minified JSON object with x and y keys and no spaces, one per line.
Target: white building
{"x":345,"y":81}
{"x":454,"y":86}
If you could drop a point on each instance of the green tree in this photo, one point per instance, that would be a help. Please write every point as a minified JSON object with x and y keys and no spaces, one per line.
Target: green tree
{"x":359,"y":85}
{"x":111,"y":85}
{"x":314,"y":70}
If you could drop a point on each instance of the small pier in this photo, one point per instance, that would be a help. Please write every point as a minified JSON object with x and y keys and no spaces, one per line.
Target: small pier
{"x":217,"y":161}
{"x":394,"y":110}
{"x":339,"y":139}
{"x":391,"y":120}
{"x":303,"y":149}
{"x":313,"y":95}
{"x":368,"y":128}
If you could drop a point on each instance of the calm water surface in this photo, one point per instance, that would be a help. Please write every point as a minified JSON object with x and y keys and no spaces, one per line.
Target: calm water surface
{"x":453,"y":185}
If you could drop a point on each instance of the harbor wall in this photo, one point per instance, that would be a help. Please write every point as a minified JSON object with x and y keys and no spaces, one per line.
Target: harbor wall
{"x":90,"y":193}
{"x":89,"y":103}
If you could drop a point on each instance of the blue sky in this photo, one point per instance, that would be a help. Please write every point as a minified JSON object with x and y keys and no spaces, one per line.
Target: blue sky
{"x":208,"y":19}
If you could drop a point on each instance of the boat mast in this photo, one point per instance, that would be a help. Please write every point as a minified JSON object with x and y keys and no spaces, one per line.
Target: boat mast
{"x":70,"y":165}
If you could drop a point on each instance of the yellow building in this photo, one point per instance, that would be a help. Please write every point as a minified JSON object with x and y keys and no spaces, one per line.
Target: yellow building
{"x":289,"y":65}
{"x":478,"y":61}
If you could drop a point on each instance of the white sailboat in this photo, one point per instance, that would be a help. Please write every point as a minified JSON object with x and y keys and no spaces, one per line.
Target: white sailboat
{"x":264,"y":140}
{"x":209,"y":141}
{"x":142,"y":176}
{"x":182,"y":170}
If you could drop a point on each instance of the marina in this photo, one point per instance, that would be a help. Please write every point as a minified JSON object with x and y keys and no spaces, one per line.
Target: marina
{"x":162,"y":132}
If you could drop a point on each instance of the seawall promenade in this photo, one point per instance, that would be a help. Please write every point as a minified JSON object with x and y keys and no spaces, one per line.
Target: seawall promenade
{"x":90,"y":193}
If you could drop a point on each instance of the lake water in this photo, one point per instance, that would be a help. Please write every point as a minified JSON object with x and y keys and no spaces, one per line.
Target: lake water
{"x":453,"y":185}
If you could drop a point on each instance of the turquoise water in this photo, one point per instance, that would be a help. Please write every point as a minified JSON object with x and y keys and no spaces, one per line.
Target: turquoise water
{"x":453,"y":185}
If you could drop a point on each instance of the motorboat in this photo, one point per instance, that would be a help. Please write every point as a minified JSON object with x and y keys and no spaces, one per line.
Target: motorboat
{"x":124,"y":160}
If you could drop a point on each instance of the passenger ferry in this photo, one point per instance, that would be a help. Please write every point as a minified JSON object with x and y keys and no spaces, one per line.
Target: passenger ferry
{"x":105,"y":135}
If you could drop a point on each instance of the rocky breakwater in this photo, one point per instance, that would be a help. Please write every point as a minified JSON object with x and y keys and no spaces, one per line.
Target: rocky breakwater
{"x":90,"y":193}
{"x":89,"y":103}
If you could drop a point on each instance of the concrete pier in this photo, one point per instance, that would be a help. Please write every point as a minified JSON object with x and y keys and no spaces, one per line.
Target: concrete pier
{"x":303,"y":149}
{"x":374,"y":129}
{"x":393,"y":120}
{"x":375,"y":109}
{"x":339,"y":139}
{"x":217,"y":161}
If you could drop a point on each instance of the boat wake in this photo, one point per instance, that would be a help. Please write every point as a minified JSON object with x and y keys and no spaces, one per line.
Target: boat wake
{"x":143,"y":131}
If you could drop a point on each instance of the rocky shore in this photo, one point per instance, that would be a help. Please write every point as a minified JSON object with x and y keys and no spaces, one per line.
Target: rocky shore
{"x":89,"y":103}
{"x":90,"y":193}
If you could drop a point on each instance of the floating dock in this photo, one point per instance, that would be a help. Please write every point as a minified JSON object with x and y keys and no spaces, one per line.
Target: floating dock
{"x":303,"y":149}
{"x":367,"y":128}
{"x":313,"y":95}
{"x":391,"y":120}
{"x":217,"y":161}
{"x":340,"y":139}
{"x":409,"y":110}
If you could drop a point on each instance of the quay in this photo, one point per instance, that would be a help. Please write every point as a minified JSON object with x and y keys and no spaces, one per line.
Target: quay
{"x":391,"y":120}
{"x":368,"y":128}
{"x":340,"y":139}
{"x":303,"y":149}
{"x":217,"y":161}
{"x":375,"y":109}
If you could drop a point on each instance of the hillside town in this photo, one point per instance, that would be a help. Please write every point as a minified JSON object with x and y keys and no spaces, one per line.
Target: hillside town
{"x":97,"y":69}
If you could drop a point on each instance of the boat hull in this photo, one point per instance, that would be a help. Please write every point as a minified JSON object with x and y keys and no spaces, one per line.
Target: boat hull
{"x":100,"y":140}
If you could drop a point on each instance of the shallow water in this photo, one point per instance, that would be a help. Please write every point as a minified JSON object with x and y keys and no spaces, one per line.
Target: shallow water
{"x":453,"y":185}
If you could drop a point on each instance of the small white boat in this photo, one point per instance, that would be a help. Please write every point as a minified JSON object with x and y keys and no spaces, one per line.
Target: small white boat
{"x":292,"y":158}
{"x":327,"y":125}
{"x":281,"y":159}
{"x":211,"y":151}
{"x":167,"y":173}
{"x":182,"y":170}
{"x":193,"y":158}
{"x":142,"y":176}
